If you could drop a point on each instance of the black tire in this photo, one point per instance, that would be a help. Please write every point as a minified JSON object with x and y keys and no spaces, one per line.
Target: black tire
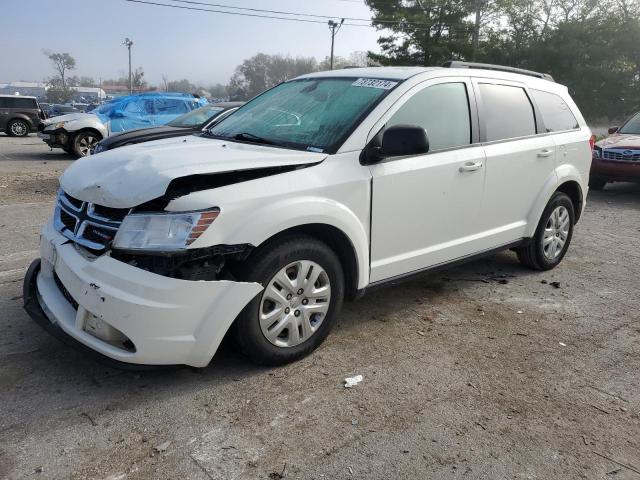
{"x":261,"y":267}
{"x":596,"y":183}
{"x":18,"y":128}
{"x":533,"y":255}
{"x":68,"y":150}
{"x":83,"y":142}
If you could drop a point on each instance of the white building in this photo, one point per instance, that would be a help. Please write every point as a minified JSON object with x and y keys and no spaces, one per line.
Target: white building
{"x":39,"y":89}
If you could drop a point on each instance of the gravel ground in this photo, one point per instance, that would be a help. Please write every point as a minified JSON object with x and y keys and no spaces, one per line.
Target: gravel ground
{"x":487,"y":370}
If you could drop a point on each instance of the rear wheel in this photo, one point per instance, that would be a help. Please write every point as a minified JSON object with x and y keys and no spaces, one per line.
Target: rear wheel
{"x":596,"y":183}
{"x":303,"y":292}
{"x":83,"y":142}
{"x":553,"y":235}
{"x":18,"y":128}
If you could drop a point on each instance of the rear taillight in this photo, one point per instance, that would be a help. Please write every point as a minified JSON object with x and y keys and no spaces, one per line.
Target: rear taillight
{"x":592,"y":142}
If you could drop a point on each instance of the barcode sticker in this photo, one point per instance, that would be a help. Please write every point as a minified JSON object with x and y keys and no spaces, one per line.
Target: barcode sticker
{"x":374,"y":83}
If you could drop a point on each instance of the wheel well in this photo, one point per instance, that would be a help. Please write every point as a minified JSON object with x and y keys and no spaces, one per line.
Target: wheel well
{"x":573,"y":190}
{"x":88,"y":129}
{"x":338,"y":241}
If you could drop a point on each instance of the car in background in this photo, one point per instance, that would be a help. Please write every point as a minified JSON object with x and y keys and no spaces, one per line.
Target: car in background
{"x":187,"y":124}
{"x":617,"y":157}
{"x":55,"y":110}
{"x":78,"y":133}
{"x":19,"y":115}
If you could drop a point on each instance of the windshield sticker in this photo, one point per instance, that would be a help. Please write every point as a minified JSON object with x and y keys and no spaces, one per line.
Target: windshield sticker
{"x":314,"y":149}
{"x":374,"y":83}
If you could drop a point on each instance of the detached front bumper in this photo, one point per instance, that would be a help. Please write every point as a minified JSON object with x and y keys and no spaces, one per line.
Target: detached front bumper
{"x":125,"y":313}
{"x":58,"y":138}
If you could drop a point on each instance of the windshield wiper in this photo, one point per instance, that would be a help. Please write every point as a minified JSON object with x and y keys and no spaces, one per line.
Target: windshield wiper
{"x":253,"y":138}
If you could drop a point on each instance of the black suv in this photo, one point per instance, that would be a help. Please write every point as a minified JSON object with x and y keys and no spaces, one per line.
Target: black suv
{"x":19,"y":115}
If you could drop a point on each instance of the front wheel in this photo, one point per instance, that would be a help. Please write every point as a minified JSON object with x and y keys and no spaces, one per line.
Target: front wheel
{"x":84,"y":142}
{"x":549,"y":245}
{"x":18,"y":128}
{"x":303,"y":292}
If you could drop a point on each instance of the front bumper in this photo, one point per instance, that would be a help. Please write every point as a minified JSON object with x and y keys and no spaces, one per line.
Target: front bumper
{"x":612,"y":170}
{"x":128,"y":314}
{"x":58,"y":138}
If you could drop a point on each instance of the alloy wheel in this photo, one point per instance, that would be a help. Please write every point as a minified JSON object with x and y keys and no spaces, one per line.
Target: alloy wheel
{"x":86,"y":144}
{"x":19,"y":129}
{"x":556,"y":233}
{"x":295,"y":303}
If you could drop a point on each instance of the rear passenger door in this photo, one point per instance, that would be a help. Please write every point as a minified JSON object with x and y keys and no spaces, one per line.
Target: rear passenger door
{"x":4,"y":113}
{"x":518,"y":160}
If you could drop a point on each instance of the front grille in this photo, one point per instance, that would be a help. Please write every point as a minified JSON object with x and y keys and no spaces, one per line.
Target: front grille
{"x":620,"y":154}
{"x":92,"y":226}
{"x":64,"y":291}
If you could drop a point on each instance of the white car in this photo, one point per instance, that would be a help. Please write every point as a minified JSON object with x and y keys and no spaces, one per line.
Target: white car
{"x":311,"y":193}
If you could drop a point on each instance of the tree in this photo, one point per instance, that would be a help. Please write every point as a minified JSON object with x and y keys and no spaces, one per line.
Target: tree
{"x":218,"y":91}
{"x":137,"y":80}
{"x":263,"y":71}
{"x":183,"y":86}
{"x":62,"y":62}
{"x":56,"y":93}
{"x":423,"y":32}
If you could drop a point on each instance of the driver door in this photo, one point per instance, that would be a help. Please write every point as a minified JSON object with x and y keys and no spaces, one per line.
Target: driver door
{"x":426,"y":208}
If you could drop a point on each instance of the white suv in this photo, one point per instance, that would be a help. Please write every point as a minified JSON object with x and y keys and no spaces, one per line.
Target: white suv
{"x":313,"y":192}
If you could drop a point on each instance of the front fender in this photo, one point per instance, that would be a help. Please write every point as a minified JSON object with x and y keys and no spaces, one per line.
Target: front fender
{"x":267,"y":220}
{"x":87,"y":123}
{"x":562,"y":174}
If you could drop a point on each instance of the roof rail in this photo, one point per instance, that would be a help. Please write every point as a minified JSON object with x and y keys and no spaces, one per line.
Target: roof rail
{"x":499,"y":68}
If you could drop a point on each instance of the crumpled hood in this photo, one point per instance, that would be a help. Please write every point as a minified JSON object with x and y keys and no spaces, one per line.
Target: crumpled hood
{"x":134,"y":174}
{"x":69,"y":117}
{"x":620,"y":140}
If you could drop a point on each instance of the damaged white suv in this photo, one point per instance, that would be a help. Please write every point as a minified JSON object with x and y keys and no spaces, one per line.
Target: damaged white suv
{"x":311,"y":193}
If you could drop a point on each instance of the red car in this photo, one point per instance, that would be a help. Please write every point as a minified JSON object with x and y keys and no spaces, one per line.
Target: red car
{"x":617,"y":157}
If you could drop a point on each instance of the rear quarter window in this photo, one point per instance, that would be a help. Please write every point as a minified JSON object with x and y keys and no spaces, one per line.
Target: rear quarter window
{"x":506,"y":112}
{"x":17,"y":102}
{"x":556,"y":114}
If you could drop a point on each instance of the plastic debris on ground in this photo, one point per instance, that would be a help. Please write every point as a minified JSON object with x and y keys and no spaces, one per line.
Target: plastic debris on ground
{"x":351,"y":382}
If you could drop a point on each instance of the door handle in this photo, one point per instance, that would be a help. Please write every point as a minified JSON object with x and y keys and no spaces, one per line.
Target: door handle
{"x":470,"y":167}
{"x":545,"y":153}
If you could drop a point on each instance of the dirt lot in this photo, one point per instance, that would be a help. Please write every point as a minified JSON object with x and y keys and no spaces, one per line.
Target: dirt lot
{"x":484,"y":371}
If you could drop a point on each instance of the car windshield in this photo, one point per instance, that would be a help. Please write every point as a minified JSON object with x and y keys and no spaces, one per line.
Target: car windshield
{"x":632,"y":126}
{"x":315,"y":114}
{"x":197,"y":117}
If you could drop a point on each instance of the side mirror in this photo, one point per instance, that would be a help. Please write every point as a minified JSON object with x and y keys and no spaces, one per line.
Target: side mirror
{"x":404,"y":140}
{"x":613,"y":130}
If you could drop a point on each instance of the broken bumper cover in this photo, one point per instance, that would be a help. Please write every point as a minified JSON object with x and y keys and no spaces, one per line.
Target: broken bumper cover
{"x":128,"y":314}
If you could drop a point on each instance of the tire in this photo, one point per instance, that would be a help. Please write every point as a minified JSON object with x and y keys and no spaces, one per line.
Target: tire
{"x":545,"y":250}
{"x":596,"y":183}
{"x":83,"y":142}
{"x":271,"y":338}
{"x":18,"y":128}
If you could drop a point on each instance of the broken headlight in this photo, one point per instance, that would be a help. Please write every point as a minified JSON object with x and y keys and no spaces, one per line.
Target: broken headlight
{"x":162,"y":231}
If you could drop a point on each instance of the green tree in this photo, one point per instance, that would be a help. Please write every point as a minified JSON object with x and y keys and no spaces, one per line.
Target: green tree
{"x":423,"y":32}
{"x":62,"y":62}
{"x":183,"y":86}
{"x":263,"y":71}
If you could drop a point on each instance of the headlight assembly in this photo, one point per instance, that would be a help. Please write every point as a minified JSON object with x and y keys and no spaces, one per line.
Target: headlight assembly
{"x":163,"y":231}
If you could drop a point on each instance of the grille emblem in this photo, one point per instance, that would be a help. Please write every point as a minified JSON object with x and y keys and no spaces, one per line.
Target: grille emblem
{"x":627,"y":153}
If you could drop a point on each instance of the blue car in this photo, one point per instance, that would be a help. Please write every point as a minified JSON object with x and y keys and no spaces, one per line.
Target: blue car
{"x":77,"y":133}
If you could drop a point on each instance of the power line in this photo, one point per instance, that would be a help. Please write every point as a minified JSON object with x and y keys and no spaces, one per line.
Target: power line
{"x":276,"y":17}
{"x":243,"y":14}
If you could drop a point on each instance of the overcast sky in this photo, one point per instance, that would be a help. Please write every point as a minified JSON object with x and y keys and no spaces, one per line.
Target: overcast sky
{"x":203,"y":47}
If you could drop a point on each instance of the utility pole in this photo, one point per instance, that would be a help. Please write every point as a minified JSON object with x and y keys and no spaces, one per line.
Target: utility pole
{"x":476,"y":30}
{"x":334,"y":27}
{"x":128,"y":43}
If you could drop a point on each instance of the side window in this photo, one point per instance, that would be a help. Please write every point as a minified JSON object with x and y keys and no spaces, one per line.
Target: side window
{"x":4,"y":102}
{"x":555,"y":112}
{"x":506,"y":112}
{"x":443,"y":111}
{"x":170,"y":106}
